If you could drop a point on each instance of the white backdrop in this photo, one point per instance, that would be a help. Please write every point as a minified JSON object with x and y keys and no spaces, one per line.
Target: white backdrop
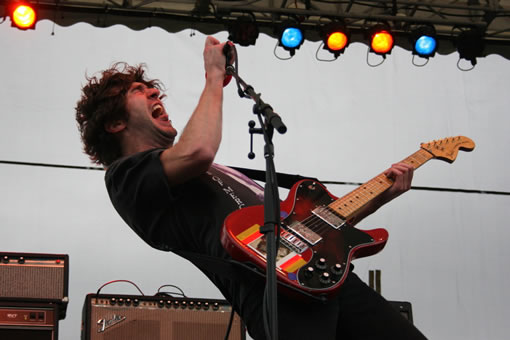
{"x":346,"y":121}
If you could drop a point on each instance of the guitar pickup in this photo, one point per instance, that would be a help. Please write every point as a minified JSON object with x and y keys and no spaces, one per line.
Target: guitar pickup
{"x":304,"y":232}
{"x":293,"y":242}
{"x":328,"y":216}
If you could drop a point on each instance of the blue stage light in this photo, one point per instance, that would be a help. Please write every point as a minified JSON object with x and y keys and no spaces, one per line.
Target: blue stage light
{"x":292,"y":37}
{"x":424,"y":41}
{"x":425,"y":45}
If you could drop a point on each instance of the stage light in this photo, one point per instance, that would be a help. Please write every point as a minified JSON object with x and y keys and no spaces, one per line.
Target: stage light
{"x":244,"y":31}
{"x":23,"y":15}
{"x":335,"y":37}
{"x":381,"y":40}
{"x":291,"y":37}
{"x":470,"y":45}
{"x":424,"y":41}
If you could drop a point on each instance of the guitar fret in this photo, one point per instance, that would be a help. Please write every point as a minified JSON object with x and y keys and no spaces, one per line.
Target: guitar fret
{"x":418,"y":158}
{"x":352,"y":203}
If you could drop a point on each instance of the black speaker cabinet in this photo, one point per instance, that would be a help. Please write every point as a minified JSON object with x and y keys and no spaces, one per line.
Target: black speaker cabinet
{"x":35,"y":278}
{"x":124,"y":317}
{"x":28,"y":321}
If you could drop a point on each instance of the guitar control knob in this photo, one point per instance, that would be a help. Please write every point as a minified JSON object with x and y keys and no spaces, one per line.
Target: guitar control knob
{"x":325,"y":278}
{"x":321,"y":263}
{"x":337,"y":269}
{"x":309,"y":272}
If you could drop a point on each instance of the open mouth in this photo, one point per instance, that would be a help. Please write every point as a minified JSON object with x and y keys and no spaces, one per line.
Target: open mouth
{"x":157,"y":111}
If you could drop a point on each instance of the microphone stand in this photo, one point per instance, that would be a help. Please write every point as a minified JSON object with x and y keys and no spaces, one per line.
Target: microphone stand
{"x":271,"y":228}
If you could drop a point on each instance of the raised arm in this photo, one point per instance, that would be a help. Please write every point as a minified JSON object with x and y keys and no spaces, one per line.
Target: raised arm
{"x":193,"y":154}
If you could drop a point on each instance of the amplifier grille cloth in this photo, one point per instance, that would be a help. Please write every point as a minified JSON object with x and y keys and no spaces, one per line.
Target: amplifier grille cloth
{"x":163,"y":324}
{"x":31,"y":282}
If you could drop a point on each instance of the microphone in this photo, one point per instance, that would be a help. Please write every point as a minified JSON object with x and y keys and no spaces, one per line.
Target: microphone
{"x":229,"y":52}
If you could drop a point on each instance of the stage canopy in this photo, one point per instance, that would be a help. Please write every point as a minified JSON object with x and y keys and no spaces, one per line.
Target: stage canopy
{"x":490,"y":19}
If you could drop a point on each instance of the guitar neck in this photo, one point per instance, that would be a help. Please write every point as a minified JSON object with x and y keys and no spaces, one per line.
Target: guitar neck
{"x":349,"y":205}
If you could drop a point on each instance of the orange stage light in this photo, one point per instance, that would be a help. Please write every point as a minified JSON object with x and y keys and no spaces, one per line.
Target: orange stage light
{"x":382,"y":42}
{"x":337,"y":41}
{"x":23,"y":16}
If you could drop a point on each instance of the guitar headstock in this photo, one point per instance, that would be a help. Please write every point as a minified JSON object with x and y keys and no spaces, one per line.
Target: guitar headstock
{"x":448,"y":148}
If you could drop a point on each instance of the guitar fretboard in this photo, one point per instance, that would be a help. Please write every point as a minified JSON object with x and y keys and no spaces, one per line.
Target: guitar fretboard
{"x":349,"y":205}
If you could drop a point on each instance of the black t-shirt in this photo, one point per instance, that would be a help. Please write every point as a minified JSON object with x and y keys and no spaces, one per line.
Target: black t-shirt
{"x":187,"y":216}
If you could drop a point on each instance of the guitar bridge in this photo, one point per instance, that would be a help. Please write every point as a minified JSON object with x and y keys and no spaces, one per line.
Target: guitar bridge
{"x":328,"y":216}
{"x":293,"y":242}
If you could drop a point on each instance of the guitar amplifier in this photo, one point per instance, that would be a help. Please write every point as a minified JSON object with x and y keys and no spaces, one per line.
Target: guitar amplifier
{"x":36,"y":278}
{"x":28,"y":321}
{"x":123,"y":317}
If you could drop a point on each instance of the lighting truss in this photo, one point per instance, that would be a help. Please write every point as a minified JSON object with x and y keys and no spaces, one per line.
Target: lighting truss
{"x":449,"y":17}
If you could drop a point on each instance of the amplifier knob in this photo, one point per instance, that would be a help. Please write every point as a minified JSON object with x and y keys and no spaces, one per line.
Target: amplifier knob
{"x":206,"y":305}
{"x":216,"y":306}
{"x":184,"y":304}
{"x":191,"y":305}
{"x":121,"y":301}
{"x":168,"y":304}
{"x":199,"y":305}
{"x":113,"y":301}
{"x":136,"y":302}
{"x":161,"y":303}
{"x":128,"y":302}
{"x":5,"y":259}
{"x":21,"y":260}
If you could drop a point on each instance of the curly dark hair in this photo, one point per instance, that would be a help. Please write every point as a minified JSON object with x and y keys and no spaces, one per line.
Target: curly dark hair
{"x":103,"y":101}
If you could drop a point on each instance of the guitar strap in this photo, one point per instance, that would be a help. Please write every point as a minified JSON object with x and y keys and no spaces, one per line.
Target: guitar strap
{"x":284,"y":180}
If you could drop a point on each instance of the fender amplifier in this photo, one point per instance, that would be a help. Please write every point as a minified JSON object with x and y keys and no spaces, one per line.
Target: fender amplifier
{"x":124,"y":317}
{"x":35,"y":278}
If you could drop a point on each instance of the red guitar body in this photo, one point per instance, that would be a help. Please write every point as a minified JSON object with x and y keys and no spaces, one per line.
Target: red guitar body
{"x":316,"y":245}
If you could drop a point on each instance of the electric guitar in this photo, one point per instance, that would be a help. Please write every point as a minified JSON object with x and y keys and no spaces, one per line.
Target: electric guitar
{"x":317,"y":243}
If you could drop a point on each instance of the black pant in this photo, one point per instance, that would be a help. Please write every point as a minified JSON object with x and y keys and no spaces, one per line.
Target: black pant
{"x":357,"y":313}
